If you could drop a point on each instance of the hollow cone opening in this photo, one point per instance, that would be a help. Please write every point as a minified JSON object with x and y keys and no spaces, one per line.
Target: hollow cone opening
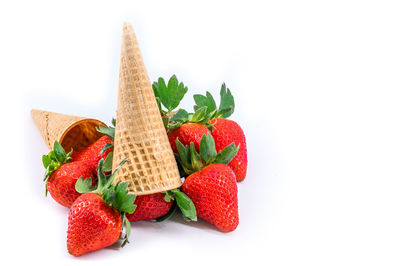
{"x":80,"y":135}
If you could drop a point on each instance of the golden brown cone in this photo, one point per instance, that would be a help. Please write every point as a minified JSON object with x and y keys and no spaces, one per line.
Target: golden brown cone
{"x":140,"y":135}
{"x":72,"y":132}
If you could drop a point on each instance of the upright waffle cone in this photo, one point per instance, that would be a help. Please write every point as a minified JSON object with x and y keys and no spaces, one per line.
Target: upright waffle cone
{"x":140,"y":135}
{"x":72,"y":132}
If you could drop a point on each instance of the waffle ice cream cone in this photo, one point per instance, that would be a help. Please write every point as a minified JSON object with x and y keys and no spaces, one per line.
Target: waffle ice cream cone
{"x":140,"y":135}
{"x":72,"y":132}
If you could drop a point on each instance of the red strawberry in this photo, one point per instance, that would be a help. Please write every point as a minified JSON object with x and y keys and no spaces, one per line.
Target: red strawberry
{"x":92,"y":225}
{"x":97,"y":217}
{"x":61,"y":175}
{"x":61,"y":183}
{"x":225,"y":132}
{"x":212,"y":188}
{"x":92,"y":154}
{"x":213,"y":191}
{"x":186,"y":133}
{"x":150,"y":207}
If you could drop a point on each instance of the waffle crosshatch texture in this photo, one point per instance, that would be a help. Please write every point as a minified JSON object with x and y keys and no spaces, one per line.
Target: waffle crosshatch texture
{"x":140,"y":135}
{"x":72,"y":132}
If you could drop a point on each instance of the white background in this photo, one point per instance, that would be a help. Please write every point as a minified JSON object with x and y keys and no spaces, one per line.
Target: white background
{"x":316,"y":85}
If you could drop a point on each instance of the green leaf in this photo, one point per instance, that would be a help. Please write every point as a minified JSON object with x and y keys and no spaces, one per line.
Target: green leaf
{"x":227,"y":102}
{"x":101,"y":178}
{"x":224,"y":112}
{"x":226,"y":155}
{"x":202,"y":101}
{"x":109,"y":131}
{"x":207,"y":149}
{"x":123,"y":201}
{"x":157,"y":95}
{"x":127,"y":224}
{"x":156,"y":90}
{"x":107,"y":166}
{"x":183,"y":157}
{"x":84,"y":185}
{"x":165,"y":121}
{"x":199,"y":115}
{"x":168,"y":196}
{"x":52,"y":156}
{"x":162,"y":92}
{"x":185,"y":204}
{"x":181,"y":115}
{"x":168,"y":214}
{"x":106,"y":147}
{"x":196,"y":162}
{"x":109,"y":196}
{"x":183,"y":151}
{"x":46,"y":161}
{"x":120,"y":164}
{"x":47,"y":173}
{"x":159,"y":105}
{"x":184,"y":170}
{"x":54,"y":159}
{"x":113,"y":122}
{"x":169,"y":95}
{"x":59,"y":152}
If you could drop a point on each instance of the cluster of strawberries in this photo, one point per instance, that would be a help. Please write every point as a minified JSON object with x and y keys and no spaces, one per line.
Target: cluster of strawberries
{"x":211,"y":154}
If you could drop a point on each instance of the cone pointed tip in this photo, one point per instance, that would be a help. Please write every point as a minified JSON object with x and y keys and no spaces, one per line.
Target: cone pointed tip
{"x":34,"y":113}
{"x":127,"y":26}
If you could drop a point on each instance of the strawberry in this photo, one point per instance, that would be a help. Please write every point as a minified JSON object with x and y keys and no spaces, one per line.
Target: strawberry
{"x":211,"y":184}
{"x":92,"y":225}
{"x":225,"y":132}
{"x":180,"y":125}
{"x":97,"y":217}
{"x":186,"y":133}
{"x":190,"y":127}
{"x":213,"y":191}
{"x":160,"y":206}
{"x":150,"y":207}
{"x":92,"y":154}
{"x":61,"y":183}
{"x":61,"y":175}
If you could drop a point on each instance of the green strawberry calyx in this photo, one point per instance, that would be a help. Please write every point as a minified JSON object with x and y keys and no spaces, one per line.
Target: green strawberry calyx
{"x":108,"y":131}
{"x":226,"y":106}
{"x":169,"y":95}
{"x":183,"y":202}
{"x":200,"y":116}
{"x":55,"y":159}
{"x":193,"y":161}
{"x":204,"y":110}
{"x":116,"y":196}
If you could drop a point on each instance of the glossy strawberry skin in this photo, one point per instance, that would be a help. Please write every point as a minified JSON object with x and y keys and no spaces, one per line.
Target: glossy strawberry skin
{"x":91,"y":155}
{"x":190,"y":132}
{"x":150,"y":207}
{"x":61,"y":183}
{"x":225,"y":132}
{"x":213,"y":191}
{"x":92,"y":225}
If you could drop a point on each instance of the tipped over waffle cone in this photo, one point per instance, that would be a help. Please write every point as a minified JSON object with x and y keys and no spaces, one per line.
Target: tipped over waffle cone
{"x":140,"y":135}
{"x":72,"y":132}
